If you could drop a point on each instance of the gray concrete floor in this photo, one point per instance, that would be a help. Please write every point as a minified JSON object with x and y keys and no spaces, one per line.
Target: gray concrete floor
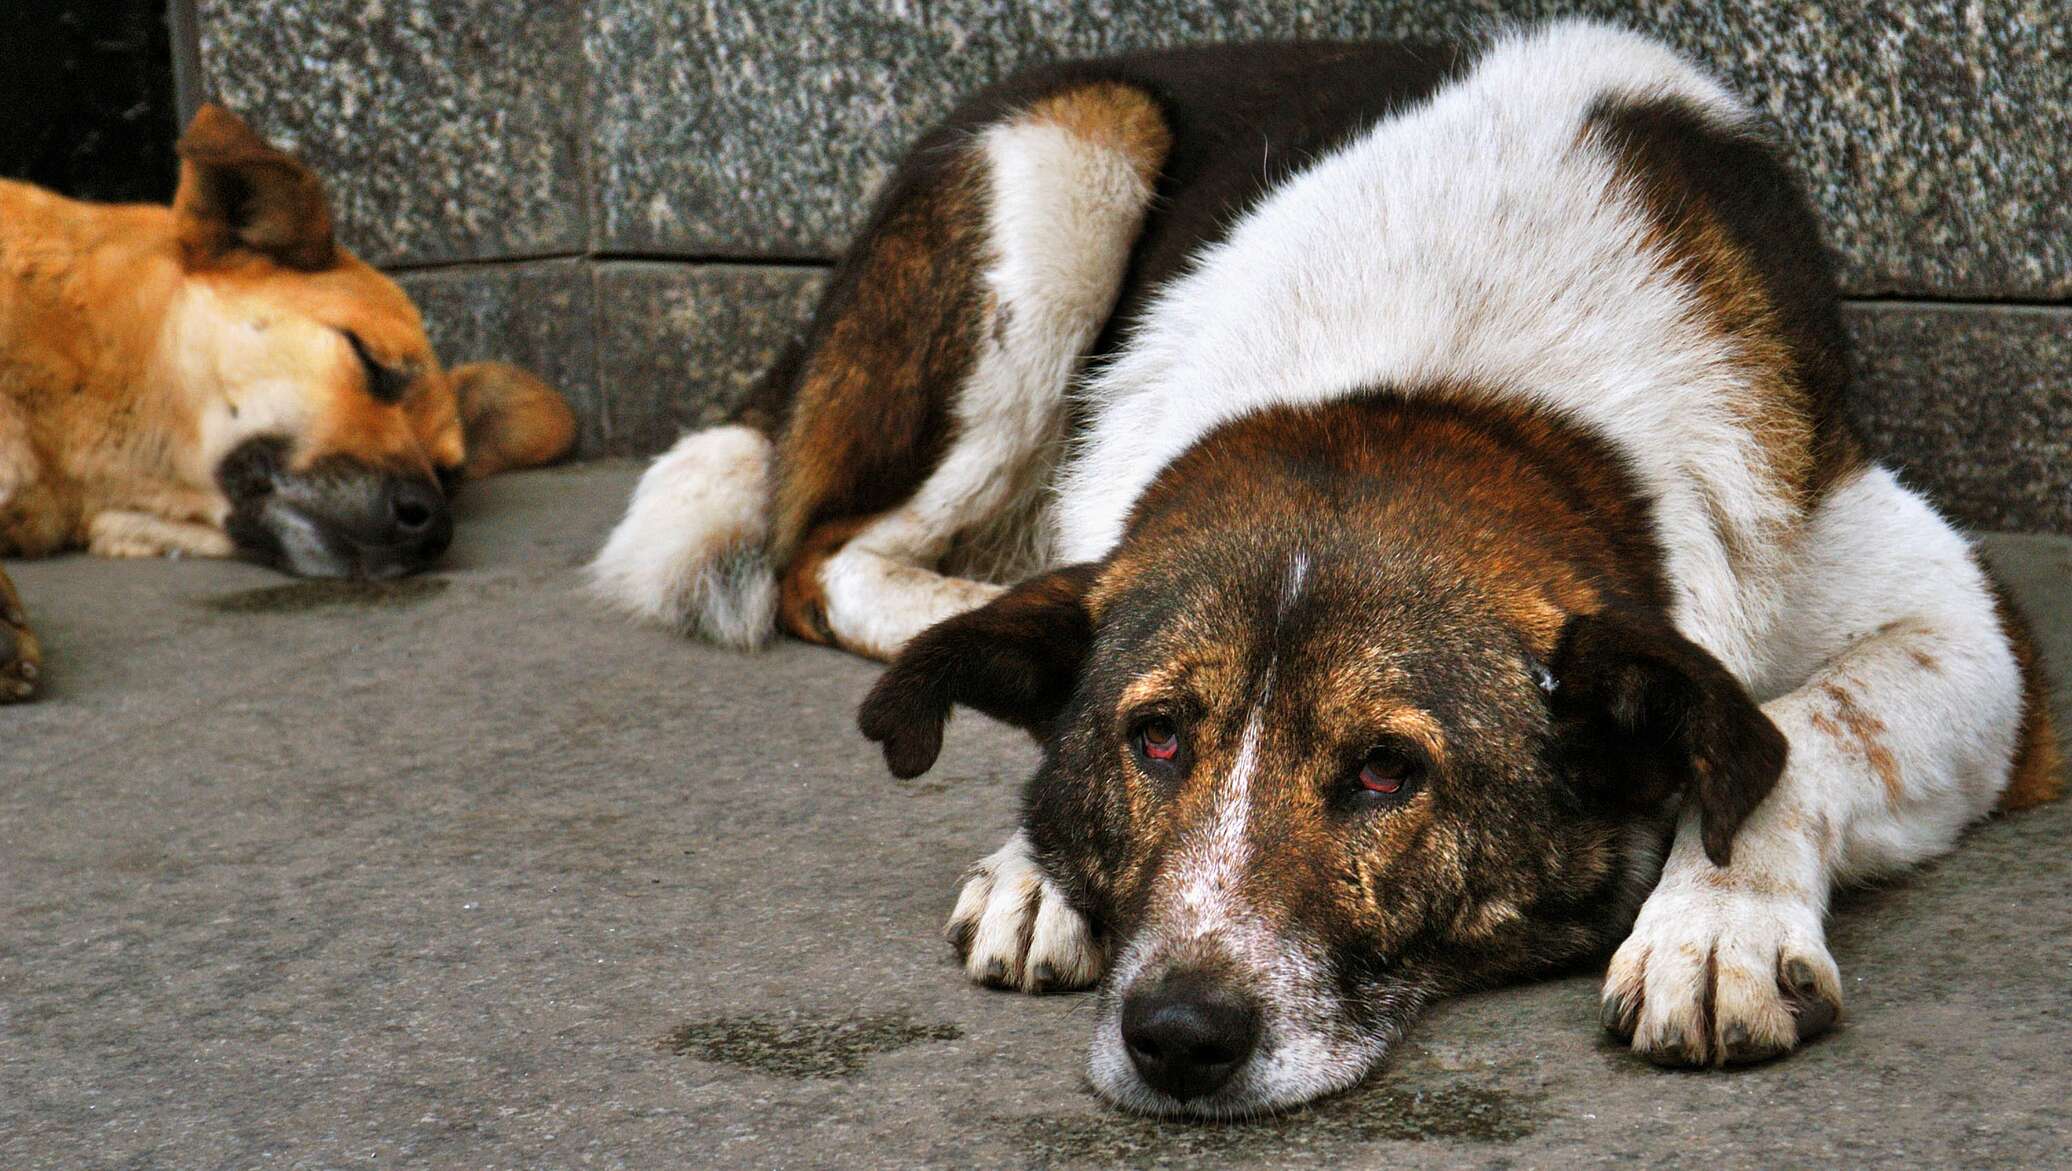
{"x":466,"y":873}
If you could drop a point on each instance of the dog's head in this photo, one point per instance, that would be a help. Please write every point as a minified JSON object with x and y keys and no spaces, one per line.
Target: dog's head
{"x":316,"y":402}
{"x":1329,"y":735}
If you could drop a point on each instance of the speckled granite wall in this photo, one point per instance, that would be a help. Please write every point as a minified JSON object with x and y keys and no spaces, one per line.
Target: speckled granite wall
{"x":541,"y":314}
{"x":449,"y":129}
{"x":646,"y":161}
{"x":1932,"y":132}
{"x":1974,"y":404}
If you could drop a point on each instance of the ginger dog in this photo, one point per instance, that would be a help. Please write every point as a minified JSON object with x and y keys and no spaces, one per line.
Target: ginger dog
{"x":220,"y":378}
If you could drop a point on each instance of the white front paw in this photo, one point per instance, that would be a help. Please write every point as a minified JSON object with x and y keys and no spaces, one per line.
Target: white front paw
{"x":1013,"y":928}
{"x":1715,"y":973}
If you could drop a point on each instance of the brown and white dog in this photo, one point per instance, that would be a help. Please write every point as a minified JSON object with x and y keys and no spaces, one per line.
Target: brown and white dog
{"x":1445,"y":554}
{"x":219,"y":377}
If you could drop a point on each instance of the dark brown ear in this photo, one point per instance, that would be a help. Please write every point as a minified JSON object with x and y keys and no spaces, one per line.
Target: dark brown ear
{"x":1015,"y":658}
{"x":238,"y":192}
{"x":510,"y":418}
{"x":1642,"y":712}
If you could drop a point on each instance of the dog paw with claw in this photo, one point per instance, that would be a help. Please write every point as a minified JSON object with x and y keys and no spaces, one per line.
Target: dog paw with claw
{"x":21,"y":660}
{"x":1013,"y":928}
{"x":1720,"y":977}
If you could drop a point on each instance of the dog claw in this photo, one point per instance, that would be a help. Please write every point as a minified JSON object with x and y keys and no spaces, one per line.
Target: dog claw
{"x":1618,"y":1013}
{"x":1800,"y":978}
{"x":958,"y":934}
{"x":18,"y":659}
{"x":1673,"y":1055}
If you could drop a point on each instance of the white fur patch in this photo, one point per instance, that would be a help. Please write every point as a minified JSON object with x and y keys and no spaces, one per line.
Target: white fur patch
{"x":1211,"y":867}
{"x":118,"y":533}
{"x":690,"y":551}
{"x":302,"y":543}
{"x":878,"y":601}
{"x":1903,"y":705}
{"x":1022,"y":932}
{"x":1062,"y":215}
{"x":1478,"y":239}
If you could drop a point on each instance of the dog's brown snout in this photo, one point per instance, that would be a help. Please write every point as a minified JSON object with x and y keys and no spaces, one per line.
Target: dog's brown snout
{"x":1188,"y":1032}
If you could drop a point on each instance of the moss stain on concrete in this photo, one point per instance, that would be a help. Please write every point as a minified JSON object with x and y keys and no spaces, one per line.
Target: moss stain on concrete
{"x":802,"y":1045}
{"x":329,"y":594}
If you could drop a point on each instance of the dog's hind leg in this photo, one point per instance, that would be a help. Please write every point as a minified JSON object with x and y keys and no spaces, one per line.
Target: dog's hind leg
{"x":1916,"y":708}
{"x":1062,"y":183}
{"x":927,"y":396}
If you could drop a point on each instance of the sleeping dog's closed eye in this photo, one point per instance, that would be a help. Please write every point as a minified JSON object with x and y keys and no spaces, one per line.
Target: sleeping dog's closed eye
{"x":385,"y":383}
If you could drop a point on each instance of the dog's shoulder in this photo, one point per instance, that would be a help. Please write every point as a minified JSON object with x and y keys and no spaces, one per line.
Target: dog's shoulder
{"x":1580,"y":221}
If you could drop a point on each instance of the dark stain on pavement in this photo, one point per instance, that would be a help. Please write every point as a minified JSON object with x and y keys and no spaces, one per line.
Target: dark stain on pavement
{"x":802,"y":1045}
{"x":1457,"y":1112}
{"x":329,"y":594}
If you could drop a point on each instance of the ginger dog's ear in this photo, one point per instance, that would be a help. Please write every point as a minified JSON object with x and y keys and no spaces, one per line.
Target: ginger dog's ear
{"x":510,"y":418}
{"x":237,"y":192}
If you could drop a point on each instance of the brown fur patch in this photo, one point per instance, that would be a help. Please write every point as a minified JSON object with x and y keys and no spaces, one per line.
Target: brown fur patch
{"x":511,"y":419}
{"x":893,"y":340}
{"x":801,"y":595}
{"x":1558,"y":527}
{"x":1113,"y":116}
{"x":239,"y":192}
{"x":1864,"y":730}
{"x":1739,"y":313}
{"x":1709,"y":219}
{"x":873,"y":390}
{"x":2037,"y":775}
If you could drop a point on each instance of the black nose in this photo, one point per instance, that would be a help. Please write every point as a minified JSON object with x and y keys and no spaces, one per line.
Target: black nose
{"x":420,"y":526}
{"x":415,"y":506}
{"x":1188,"y":1033}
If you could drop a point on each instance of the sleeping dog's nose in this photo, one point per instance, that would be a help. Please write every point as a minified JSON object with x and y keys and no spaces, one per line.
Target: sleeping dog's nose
{"x":420,"y":526}
{"x":415,"y":505}
{"x":1188,"y":1032}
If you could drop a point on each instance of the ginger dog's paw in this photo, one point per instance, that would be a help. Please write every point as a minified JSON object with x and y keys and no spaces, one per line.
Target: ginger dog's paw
{"x":21,"y":660}
{"x":116,"y":533}
{"x":1013,"y":928}
{"x":1721,"y":977}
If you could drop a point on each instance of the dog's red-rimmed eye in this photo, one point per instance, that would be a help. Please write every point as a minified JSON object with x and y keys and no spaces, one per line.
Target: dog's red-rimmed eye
{"x":1389,"y":771}
{"x":1158,"y":740}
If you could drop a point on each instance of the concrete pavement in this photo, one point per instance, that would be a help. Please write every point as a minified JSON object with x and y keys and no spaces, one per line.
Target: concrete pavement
{"x":464,"y":872}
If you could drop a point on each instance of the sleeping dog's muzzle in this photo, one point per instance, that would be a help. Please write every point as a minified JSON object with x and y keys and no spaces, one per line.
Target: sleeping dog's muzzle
{"x":337,"y":518}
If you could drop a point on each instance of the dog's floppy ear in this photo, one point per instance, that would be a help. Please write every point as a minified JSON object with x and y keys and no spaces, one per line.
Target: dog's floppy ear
{"x":1641,"y":712}
{"x":1015,"y":658}
{"x":238,"y":192}
{"x":509,"y":418}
